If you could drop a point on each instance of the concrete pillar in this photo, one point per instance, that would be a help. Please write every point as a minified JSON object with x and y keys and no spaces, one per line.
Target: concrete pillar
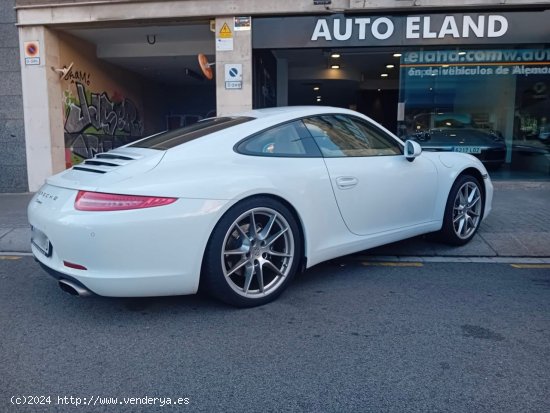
{"x":234,"y":100}
{"x":42,"y":107}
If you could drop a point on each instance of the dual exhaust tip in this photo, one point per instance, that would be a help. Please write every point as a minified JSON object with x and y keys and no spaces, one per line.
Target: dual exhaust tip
{"x":73,"y":288}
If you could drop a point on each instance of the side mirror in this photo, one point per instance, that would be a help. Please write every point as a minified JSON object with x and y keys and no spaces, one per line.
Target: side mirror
{"x":412,"y":150}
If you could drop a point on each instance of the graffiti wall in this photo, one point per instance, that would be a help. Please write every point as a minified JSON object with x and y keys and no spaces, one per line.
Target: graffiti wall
{"x":102,"y":103}
{"x":97,"y":122}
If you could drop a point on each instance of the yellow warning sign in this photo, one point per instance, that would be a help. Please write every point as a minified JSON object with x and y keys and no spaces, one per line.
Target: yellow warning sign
{"x":225,"y":32}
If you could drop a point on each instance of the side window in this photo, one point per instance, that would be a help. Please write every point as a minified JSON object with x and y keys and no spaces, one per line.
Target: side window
{"x":382,"y":143}
{"x":286,"y":140}
{"x":344,"y":136}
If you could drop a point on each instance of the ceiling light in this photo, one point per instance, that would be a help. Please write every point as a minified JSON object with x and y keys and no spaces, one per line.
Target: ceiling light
{"x":335,"y":67}
{"x":316,"y":88}
{"x":384,"y":75}
{"x":379,"y":90}
{"x":390,"y":66}
{"x":444,"y":65}
{"x":397,"y":55}
{"x":335,"y":55}
{"x":318,"y":99}
{"x":461,"y":53}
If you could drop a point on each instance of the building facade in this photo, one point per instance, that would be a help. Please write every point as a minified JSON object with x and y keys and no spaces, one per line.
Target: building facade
{"x":469,"y":76}
{"x":13,"y":163}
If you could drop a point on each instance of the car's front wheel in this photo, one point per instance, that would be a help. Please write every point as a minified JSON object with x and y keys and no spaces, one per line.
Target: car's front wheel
{"x":463,"y":211}
{"x":253,"y":253}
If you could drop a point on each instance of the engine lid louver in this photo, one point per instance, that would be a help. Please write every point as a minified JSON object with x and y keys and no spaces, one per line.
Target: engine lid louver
{"x":108,"y":168}
{"x":105,"y":162}
{"x":113,"y":156}
{"x":80,"y":168}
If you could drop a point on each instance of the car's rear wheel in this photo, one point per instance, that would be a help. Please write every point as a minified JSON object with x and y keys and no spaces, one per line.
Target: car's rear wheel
{"x":253,"y":253}
{"x":463,"y":211}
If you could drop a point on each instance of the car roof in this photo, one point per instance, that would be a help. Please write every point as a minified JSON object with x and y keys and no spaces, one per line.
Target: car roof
{"x":292,"y":112}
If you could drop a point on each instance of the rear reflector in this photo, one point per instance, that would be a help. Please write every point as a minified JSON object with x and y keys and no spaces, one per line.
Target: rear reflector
{"x":99,"y":201}
{"x":73,"y":265}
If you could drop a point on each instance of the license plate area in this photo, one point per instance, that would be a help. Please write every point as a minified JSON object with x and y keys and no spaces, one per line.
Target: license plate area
{"x":467,"y":149}
{"x":41,"y":242}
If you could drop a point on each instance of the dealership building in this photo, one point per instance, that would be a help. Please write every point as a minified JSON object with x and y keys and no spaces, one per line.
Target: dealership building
{"x":82,"y":77}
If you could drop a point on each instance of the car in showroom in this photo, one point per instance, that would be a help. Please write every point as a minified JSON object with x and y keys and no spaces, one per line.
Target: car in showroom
{"x":456,"y":132}
{"x":239,"y":204}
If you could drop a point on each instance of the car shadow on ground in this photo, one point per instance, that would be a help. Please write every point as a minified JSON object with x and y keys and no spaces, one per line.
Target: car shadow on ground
{"x":323,"y":276}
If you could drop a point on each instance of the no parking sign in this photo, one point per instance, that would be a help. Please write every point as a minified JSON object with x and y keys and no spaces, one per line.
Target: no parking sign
{"x":234,"y":76}
{"x":32,"y":53}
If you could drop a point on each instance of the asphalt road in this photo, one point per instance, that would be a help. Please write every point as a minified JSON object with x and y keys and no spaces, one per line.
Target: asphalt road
{"x":345,"y":337}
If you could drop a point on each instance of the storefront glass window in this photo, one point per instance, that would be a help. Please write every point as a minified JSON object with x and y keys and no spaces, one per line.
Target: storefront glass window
{"x":492,"y":103}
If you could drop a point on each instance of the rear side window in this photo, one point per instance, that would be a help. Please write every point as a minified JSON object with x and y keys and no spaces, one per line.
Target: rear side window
{"x":287,"y":140}
{"x":172,"y":138}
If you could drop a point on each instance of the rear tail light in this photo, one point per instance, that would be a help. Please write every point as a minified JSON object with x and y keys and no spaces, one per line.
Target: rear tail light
{"x":99,"y":201}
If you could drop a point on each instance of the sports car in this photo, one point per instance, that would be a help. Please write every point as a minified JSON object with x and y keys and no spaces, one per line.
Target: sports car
{"x":237,"y":205}
{"x":456,"y":132}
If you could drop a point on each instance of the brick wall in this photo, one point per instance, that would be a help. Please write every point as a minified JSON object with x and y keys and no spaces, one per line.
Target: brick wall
{"x":13,"y":164}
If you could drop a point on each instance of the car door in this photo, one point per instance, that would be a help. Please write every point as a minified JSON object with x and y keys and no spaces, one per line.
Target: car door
{"x":377,"y":190}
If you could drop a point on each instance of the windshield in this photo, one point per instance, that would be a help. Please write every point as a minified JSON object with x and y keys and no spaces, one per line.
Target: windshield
{"x":452,"y":120}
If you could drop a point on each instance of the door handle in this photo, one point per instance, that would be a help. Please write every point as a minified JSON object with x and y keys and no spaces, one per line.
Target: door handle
{"x":346,"y":182}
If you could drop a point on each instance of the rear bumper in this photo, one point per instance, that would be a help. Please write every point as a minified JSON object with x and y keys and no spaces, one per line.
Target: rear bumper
{"x":136,"y":253}
{"x":492,"y":156}
{"x":59,"y":276}
{"x":117,"y":286}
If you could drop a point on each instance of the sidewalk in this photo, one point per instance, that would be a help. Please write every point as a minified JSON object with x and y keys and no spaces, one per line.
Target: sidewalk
{"x":519,"y":226}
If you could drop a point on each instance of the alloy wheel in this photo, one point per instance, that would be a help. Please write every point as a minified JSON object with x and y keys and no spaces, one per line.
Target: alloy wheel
{"x":258,"y":252}
{"x":467,"y":210}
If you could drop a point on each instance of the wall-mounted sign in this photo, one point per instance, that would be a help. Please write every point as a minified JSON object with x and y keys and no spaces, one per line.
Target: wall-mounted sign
{"x":224,"y":38}
{"x":500,"y":62}
{"x":225,"y":32}
{"x":243,"y":23}
{"x":402,"y":30}
{"x":233,"y":76}
{"x":32,"y":52}
{"x":224,"y":44}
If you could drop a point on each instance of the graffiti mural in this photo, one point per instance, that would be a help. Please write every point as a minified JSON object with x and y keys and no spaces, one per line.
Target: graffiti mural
{"x":77,"y":76}
{"x":95,"y":122}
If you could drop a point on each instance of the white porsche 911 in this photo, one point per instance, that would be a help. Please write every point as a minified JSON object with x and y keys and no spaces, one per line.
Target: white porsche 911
{"x":241,"y":203}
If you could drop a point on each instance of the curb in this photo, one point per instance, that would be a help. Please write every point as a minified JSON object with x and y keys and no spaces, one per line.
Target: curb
{"x":453,"y":259}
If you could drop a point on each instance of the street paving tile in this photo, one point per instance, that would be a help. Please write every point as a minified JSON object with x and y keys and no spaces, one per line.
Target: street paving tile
{"x":17,"y":240}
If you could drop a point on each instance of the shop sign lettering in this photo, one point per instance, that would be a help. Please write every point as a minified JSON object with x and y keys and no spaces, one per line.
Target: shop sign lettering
{"x":416,"y":27}
{"x":429,"y":29}
{"x":478,"y":71}
{"x":541,"y":56}
{"x":524,"y":62}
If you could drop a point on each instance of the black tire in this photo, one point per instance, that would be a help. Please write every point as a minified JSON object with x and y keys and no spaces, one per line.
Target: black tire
{"x":233,"y":243}
{"x":471,"y":215}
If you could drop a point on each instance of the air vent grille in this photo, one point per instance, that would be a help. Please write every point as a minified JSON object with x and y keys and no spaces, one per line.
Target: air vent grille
{"x":105,"y":162}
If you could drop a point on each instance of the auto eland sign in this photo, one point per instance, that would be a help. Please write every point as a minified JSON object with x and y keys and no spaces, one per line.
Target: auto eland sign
{"x":402,"y":30}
